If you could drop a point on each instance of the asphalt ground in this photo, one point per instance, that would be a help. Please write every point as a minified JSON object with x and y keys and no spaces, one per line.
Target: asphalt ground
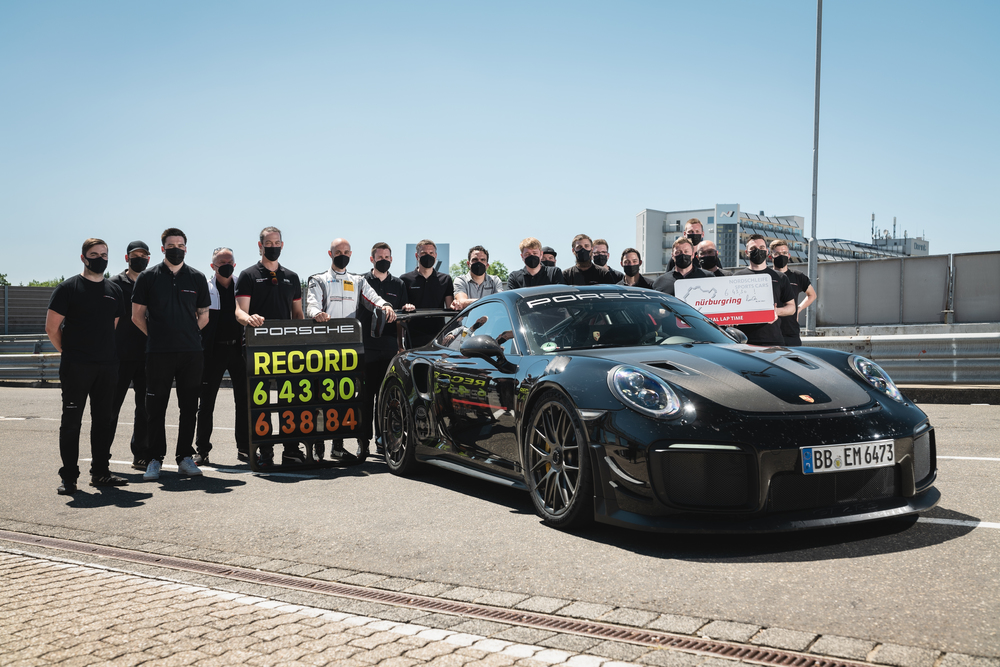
{"x":931,"y":584}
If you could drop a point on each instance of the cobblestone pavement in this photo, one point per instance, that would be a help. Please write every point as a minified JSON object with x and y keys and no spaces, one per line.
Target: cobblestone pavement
{"x":61,"y":613}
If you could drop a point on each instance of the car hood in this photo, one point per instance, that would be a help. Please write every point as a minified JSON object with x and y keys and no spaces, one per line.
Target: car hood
{"x":748,"y":378}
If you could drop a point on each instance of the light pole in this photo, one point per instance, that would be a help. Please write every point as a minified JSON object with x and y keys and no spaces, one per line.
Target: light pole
{"x":813,"y":244}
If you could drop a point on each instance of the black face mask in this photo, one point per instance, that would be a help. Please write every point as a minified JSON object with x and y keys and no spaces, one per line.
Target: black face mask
{"x":97,"y":264}
{"x":780,"y":261}
{"x":174,"y":255}
{"x":709,"y":262}
{"x":758,"y":255}
{"x":631,"y":270}
{"x":531,"y":261}
{"x":341,"y":261}
{"x":383,"y":265}
{"x":682,"y":261}
{"x":272,"y":253}
{"x":583,"y":256}
{"x":138,"y":264}
{"x":546,"y":262}
{"x":601,"y":260}
{"x":427,"y":261}
{"x":477,"y":268}
{"x":226,"y":270}
{"x":695,"y":238}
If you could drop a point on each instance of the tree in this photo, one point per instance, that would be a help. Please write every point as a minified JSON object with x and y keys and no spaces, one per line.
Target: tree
{"x":3,"y":279}
{"x":494,"y":269}
{"x":46,"y":283}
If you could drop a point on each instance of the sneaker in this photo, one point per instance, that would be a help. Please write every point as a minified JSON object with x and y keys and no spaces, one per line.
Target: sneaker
{"x":363,"y":449}
{"x":265,"y":461}
{"x":67,"y":488}
{"x":152,"y":470}
{"x":107,"y":479}
{"x":187,"y":467}
{"x":243,"y":456}
{"x":379,"y":448}
{"x":200,"y":459}
{"x":140,"y":464}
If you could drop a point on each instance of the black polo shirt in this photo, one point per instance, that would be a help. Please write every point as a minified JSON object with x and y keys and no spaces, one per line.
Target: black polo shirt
{"x":394,"y":292}
{"x":548,"y":275}
{"x":89,"y":309}
{"x":129,"y":339}
{"x":267,"y":299}
{"x":172,"y":301}
{"x":665,"y":283}
{"x":768,"y":333}
{"x":790,"y":323}
{"x":595,"y":275}
{"x":427,"y":293}
{"x":640,"y":281}
{"x":222,"y":326}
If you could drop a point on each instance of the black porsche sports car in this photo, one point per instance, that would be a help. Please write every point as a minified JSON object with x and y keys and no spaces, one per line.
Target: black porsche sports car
{"x":630,"y":407}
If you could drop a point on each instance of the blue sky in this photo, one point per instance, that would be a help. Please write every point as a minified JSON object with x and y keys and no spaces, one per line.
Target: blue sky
{"x":483,"y":123}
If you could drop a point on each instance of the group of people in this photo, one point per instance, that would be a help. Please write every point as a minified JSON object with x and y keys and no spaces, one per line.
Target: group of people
{"x":154,"y":326}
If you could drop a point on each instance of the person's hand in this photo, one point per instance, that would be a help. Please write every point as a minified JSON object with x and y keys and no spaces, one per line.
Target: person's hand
{"x":408,"y":308}
{"x":255,"y":320}
{"x":321,"y":316}
{"x":390,"y":314}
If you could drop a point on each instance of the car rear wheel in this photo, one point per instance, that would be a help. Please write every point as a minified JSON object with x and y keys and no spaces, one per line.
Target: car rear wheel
{"x":396,"y":422}
{"x":557,"y":466}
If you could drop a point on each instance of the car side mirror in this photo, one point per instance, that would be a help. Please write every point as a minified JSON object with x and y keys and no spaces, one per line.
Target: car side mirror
{"x":485,"y":347}
{"x":736,"y":335}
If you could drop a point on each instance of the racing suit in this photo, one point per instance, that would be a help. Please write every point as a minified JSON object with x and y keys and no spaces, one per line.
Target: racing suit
{"x":339,"y":294}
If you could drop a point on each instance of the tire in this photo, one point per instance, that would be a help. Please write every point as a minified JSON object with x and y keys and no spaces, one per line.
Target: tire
{"x":557,"y":464}
{"x":395,"y":418}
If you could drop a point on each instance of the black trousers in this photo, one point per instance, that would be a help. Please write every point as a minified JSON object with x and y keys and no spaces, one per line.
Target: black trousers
{"x":133,"y":372}
{"x":183,"y":369}
{"x":78,"y":381}
{"x":219,"y":359}
{"x":376,"y":364}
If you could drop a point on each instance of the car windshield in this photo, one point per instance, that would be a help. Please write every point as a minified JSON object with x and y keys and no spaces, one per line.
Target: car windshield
{"x":586,"y":320}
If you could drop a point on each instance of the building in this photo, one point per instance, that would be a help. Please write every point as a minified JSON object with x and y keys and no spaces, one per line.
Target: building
{"x":729,"y":228}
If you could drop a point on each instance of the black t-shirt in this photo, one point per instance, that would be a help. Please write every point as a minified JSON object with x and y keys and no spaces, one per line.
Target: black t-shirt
{"x":172,"y":301}
{"x":222,"y":326}
{"x":616,"y":274}
{"x":394,"y":292}
{"x":640,"y":281}
{"x":129,"y":339}
{"x":270,"y":296}
{"x":790,"y":323}
{"x":427,"y":293}
{"x":768,"y":333}
{"x":665,"y":283}
{"x":595,"y":275}
{"x":90,"y":310}
{"x":549,"y":275}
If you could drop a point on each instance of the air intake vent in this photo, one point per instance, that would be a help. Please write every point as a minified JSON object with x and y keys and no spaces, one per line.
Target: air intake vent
{"x":703,"y":478}
{"x":667,"y":366}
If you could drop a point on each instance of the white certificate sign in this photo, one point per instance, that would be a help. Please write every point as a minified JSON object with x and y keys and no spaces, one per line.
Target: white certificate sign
{"x":730,"y":300}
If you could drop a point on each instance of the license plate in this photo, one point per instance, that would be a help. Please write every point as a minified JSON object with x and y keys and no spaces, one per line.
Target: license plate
{"x":838,"y":458}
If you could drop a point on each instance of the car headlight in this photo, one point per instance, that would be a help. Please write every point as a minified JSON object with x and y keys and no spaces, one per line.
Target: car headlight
{"x":876,"y":377}
{"x":643,"y":392}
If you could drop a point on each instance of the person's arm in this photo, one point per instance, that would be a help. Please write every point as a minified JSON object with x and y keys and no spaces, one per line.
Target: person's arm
{"x":53,"y":324}
{"x":811,"y":297}
{"x":202,"y":317}
{"x":139,"y":317}
{"x":315,"y":303}
{"x":297,"y":310}
{"x":372,"y":300}
{"x":242,"y":314}
{"x":785,"y":310}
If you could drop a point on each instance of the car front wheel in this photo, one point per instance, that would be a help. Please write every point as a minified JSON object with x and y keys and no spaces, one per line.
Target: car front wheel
{"x":557,"y":466}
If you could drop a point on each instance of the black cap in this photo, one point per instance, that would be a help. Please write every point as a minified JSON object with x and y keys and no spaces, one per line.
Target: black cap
{"x":546,"y":250}
{"x":137,"y":245}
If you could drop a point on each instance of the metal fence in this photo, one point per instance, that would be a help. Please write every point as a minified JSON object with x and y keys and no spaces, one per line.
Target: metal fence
{"x":937,"y":289}
{"x":23,"y":309}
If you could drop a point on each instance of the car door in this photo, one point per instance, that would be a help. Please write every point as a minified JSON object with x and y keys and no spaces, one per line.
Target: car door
{"x":476,"y":396}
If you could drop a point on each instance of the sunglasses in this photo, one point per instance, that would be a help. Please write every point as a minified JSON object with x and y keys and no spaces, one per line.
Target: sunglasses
{"x":274,"y":278}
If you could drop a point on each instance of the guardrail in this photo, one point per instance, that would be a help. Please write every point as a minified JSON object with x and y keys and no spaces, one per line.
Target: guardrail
{"x":26,"y":344}
{"x":38,"y":367}
{"x":935,"y":359}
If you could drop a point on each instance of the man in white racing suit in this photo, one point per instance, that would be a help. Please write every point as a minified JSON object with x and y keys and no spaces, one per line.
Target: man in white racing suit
{"x":336,"y":294}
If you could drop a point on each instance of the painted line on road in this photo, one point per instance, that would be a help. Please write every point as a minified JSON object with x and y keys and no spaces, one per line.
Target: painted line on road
{"x":969,"y":458}
{"x":956,"y":522}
